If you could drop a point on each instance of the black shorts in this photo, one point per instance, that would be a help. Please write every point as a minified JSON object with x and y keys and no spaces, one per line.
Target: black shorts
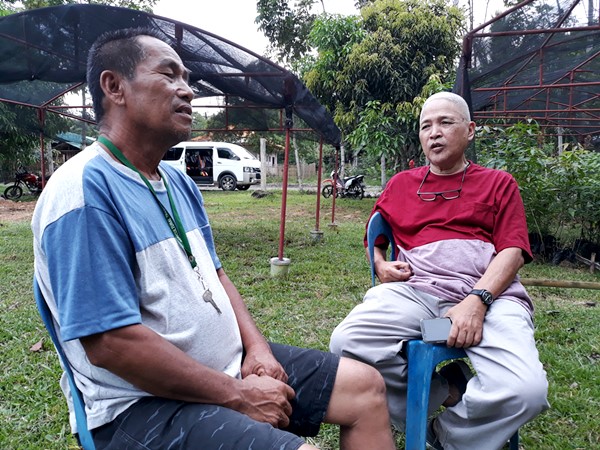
{"x":158,"y":423}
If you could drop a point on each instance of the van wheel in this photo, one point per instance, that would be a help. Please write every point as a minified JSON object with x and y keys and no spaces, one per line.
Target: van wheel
{"x":244,"y":187}
{"x":228,"y":183}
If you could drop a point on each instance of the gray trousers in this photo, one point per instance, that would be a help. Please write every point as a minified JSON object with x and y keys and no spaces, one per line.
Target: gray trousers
{"x":508,"y":390}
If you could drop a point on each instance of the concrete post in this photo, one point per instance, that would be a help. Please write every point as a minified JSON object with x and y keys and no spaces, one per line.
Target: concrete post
{"x":263,"y":164}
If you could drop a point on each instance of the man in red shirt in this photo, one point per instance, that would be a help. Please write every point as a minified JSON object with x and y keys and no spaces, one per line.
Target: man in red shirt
{"x":462,"y":237}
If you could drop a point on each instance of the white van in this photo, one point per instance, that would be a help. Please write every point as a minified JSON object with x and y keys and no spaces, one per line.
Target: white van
{"x":222,"y":164}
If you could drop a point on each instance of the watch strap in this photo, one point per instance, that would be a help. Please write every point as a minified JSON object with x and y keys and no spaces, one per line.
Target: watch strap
{"x":486,"y":296}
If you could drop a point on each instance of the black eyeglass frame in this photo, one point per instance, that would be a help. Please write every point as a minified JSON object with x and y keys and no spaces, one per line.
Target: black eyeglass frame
{"x":442,"y":194}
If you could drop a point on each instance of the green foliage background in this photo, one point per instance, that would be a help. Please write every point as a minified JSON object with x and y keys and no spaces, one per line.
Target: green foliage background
{"x":560,"y":189}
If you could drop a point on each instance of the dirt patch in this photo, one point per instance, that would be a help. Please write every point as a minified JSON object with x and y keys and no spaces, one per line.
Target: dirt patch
{"x":15,"y":211}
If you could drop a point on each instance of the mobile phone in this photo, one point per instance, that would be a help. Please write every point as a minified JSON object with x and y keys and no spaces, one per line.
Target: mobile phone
{"x":436,"y":330}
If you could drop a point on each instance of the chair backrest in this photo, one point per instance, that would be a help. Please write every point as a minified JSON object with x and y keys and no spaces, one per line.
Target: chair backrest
{"x":85,"y":437}
{"x":377,"y":227}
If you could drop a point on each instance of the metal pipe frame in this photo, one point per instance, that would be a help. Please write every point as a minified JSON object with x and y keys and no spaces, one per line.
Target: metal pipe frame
{"x":580,"y":119}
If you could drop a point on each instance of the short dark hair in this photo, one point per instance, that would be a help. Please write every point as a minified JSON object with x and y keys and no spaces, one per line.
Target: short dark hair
{"x":117,"y":50}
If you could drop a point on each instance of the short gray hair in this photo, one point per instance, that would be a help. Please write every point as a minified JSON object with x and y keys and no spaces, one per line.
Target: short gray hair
{"x":117,"y":50}
{"x":463,"y":108}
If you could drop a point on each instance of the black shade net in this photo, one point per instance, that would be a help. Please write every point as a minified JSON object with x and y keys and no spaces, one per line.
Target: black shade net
{"x":43,"y":55}
{"x":538,"y":62}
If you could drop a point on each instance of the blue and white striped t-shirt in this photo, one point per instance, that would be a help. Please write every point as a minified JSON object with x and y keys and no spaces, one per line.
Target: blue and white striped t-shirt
{"x":106,"y":258}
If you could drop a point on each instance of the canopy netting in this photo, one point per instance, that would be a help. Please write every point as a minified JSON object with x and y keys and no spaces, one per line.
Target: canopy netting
{"x":538,"y":60}
{"x":43,"y":55}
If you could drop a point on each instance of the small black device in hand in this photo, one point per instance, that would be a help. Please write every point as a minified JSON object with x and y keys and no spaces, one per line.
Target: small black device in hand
{"x":436,"y":330}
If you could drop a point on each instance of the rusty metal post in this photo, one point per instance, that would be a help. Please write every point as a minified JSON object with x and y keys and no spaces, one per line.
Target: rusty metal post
{"x":335,"y":171}
{"x":42,"y":119}
{"x":319,"y":177}
{"x":316,"y":234}
{"x":286,"y":163}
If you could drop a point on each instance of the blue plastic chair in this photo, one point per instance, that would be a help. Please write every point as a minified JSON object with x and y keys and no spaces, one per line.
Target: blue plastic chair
{"x":422,"y":357}
{"x":377,"y":227}
{"x":83,"y":434}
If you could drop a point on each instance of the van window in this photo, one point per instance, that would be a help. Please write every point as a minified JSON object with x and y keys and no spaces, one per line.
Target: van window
{"x":173,"y":154}
{"x":225,"y":153}
{"x":246,"y":154}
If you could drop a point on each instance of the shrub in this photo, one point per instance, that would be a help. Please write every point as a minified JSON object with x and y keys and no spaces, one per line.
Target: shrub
{"x":560,"y":190}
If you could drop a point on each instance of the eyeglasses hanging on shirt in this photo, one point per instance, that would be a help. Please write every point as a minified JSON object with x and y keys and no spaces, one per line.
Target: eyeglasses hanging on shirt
{"x":446,"y":195}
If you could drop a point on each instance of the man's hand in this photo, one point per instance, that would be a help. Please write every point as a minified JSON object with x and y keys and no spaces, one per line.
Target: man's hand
{"x":467,"y":317}
{"x":266,"y":399}
{"x":467,"y":322}
{"x":388,"y":271}
{"x":263,"y":363}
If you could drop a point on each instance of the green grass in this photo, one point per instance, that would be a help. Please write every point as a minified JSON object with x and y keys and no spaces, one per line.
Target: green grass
{"x":325,"y":281}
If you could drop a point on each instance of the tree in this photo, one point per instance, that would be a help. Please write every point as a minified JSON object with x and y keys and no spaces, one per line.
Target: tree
{"x":335,"y":38}
{"x":7,"y":7}
{"x":199,"y":122}
{"x":286,"y":28}
{"x":384,"y":61}
{"x":561,"y":191}
{"x":20,"y":135}
{"x":383,"y":128}
{"x":385,"y":56}
{"x":142,"y":5}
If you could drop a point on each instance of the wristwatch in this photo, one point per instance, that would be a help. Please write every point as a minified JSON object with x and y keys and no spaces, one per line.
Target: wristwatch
{"x":486,"y":296}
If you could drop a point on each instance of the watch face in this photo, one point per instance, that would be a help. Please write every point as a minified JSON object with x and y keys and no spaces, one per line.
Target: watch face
{"x":486,"y":297}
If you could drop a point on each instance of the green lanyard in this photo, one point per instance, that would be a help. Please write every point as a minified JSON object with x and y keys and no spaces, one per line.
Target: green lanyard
{"x":174,"y":222}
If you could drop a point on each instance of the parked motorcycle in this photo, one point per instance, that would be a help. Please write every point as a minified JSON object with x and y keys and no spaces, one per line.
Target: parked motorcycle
{"x":23,"y":179}
{"x":351,"y":187}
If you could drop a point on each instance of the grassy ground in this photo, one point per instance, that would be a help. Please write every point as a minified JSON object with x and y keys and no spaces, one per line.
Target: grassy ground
{"x":326,"y":280}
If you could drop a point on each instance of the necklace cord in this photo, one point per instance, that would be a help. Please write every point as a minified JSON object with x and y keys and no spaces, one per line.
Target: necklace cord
{"x":174,"y":221}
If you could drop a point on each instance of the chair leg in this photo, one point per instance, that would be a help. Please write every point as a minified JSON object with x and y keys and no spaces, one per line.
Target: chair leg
{"x":514,"y":441}
{"x":422,"y":360}
{"x":420,"y":368}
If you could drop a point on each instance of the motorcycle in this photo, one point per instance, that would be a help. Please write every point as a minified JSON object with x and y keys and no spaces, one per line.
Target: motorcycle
{"x":23,"y":179}
{"x":351,"y":187}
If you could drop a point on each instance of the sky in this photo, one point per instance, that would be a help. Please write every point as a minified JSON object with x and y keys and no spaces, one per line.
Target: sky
{"x":234,"y":19}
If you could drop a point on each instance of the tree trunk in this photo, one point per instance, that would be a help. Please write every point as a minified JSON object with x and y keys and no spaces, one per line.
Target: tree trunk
{"x":355,"y":160}
{"x":298,"y":162}
{"x":342,"y":160}
{"x":383,"y":177}
{"x":49,"y":153}
{"x":263,"y":164}
{"x":83,"y":123}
